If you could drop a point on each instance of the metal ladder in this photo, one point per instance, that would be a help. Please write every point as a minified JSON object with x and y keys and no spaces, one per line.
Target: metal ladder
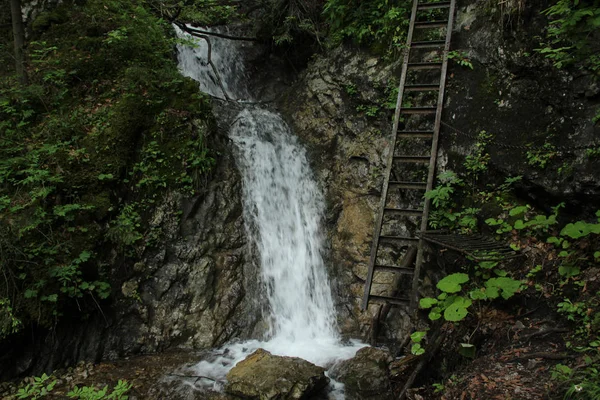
{"x":408,"y":135}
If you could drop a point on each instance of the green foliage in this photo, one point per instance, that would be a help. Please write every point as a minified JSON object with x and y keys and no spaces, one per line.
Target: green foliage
{"x":461,"y":58}
{"x":583,"y":383}
{"x":541,"y":157}
{"x":87,"y":149}
{"x":380,"y":24}
{"x":444,"y":214}
{"x":416,"y":337}
{"x":477,"y":161}
{"x":454,"y":306}
{"x":92,"y":393}
{"x":40,"y":387}
{"x":572,"y":34}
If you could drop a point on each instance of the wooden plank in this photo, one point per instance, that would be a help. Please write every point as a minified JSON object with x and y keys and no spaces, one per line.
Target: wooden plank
{"x":429,"y":6}
{"x":431,"y":24}
{"x":427,"y":44}
{"x":425,"y":65}
{"x":422,"y":87}
{"x":419,"y":110}
{"x":409,"y":185}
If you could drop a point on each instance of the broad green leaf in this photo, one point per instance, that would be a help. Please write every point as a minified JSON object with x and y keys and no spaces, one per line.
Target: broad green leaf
{"x":568,"y":271}
{"x":519,"y":224}
{"x":508,"y":286}
{"x":417,"y":350}
{"x":435,"y":314}
{"x":457,"y":310}
{"x":517,"y":211}
{"x":452,"y":283}
{"x":477,"y":294}
{"x":427,"y":302}
{"x":418,"y":336}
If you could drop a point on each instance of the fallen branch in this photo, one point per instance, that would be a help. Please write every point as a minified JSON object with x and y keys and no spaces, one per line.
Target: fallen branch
{"x":191,"y":30}
{"x":429,"y":353}
{"x":549,"y":356}
{"x":197,"y":377}
{"x":543,"y":332}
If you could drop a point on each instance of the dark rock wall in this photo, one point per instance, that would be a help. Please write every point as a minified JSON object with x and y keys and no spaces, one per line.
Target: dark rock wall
{"x":190,"y":291}
{"x":516,"y":94}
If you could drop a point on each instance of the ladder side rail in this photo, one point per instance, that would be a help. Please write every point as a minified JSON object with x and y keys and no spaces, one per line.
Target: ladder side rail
{"x":390,"y":160}
{"x":432,"y":163}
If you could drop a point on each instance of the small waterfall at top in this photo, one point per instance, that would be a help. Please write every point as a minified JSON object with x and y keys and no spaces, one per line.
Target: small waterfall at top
{"x":283,"y":210}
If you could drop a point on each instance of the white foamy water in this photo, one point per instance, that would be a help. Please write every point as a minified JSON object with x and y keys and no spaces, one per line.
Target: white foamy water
{"x":283,"y":211}
{"x":193,"y":61}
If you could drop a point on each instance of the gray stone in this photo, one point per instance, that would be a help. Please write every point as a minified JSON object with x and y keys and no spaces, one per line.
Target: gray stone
{"x":268,"y":377}
{"x":366,"y":375}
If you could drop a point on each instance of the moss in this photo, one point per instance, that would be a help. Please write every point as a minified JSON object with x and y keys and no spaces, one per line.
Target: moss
{"x":45,"y":20}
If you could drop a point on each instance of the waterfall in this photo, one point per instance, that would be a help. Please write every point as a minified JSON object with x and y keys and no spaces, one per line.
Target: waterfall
{"x":283,"y":212}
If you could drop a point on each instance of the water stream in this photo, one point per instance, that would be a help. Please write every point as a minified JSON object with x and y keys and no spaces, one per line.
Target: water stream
{"x":283,"y":211}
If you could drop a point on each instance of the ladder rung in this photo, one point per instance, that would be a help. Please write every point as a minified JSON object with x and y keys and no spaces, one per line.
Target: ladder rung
{"x":398,"y":238}
{"x":429,"y":6}
{"x":393,"y":268}
{"x":409,"y":185}
{"x":399,"y":301}
{"x":427,"y":44}
{"x":416,"y":134}
{"x":418,"y":110}
{"x":422,"y":87}
{"x":404,"y":211}
{"x":425,"y":65}
{"x":431,"y":24}
{"x":415,"y":159}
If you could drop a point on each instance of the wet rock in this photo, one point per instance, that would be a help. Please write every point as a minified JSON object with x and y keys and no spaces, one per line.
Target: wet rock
{"x":265,"y":376}
{"x":366,"y":375}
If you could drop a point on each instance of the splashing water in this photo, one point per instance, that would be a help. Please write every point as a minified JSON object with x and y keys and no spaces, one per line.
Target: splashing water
{"x":283,"y":209}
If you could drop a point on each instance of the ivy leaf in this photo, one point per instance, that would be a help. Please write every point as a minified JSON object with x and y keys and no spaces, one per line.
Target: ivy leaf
{"x":418,"y":336}
{"x":519,"y":224}
{"x":427,"y":302}
{"x":568,"y":271}
{"x":508,"y":286}
{"x":435,"y":314}
{"x":517,"y":211}
{"x":452,"y":283}
{"x":457,"y":310}
{"x":417,"y":350}
{"x":478,"y":294}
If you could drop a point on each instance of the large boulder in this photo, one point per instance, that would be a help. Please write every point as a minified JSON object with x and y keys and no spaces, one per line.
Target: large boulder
{"x":366,"y":375}
{"x":268,"y":377}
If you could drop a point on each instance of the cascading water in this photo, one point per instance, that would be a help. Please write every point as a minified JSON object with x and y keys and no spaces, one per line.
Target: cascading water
{"x":283,"y":210}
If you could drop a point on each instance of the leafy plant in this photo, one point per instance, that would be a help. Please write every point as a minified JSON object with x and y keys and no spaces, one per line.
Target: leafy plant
{"x":106,"y":126}
{"x":92,"y":393}
{"x":454,"y":307}
{"x":416,"y":338}
{"x":38,"y":389}
{"x":461,"y":58}
{"x":377,"y":23}
{"x":570,"y":34}
{"x":542,"y":156}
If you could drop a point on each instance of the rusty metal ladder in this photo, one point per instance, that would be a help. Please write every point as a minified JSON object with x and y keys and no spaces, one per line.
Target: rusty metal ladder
{"x":409,"y":241}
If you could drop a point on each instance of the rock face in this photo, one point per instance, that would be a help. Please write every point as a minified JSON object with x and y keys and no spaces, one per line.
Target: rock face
{"x":267,"y":377}
{"x":515,"y":93}
{"x":366,"y":375}
{"x":190,"y":291}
